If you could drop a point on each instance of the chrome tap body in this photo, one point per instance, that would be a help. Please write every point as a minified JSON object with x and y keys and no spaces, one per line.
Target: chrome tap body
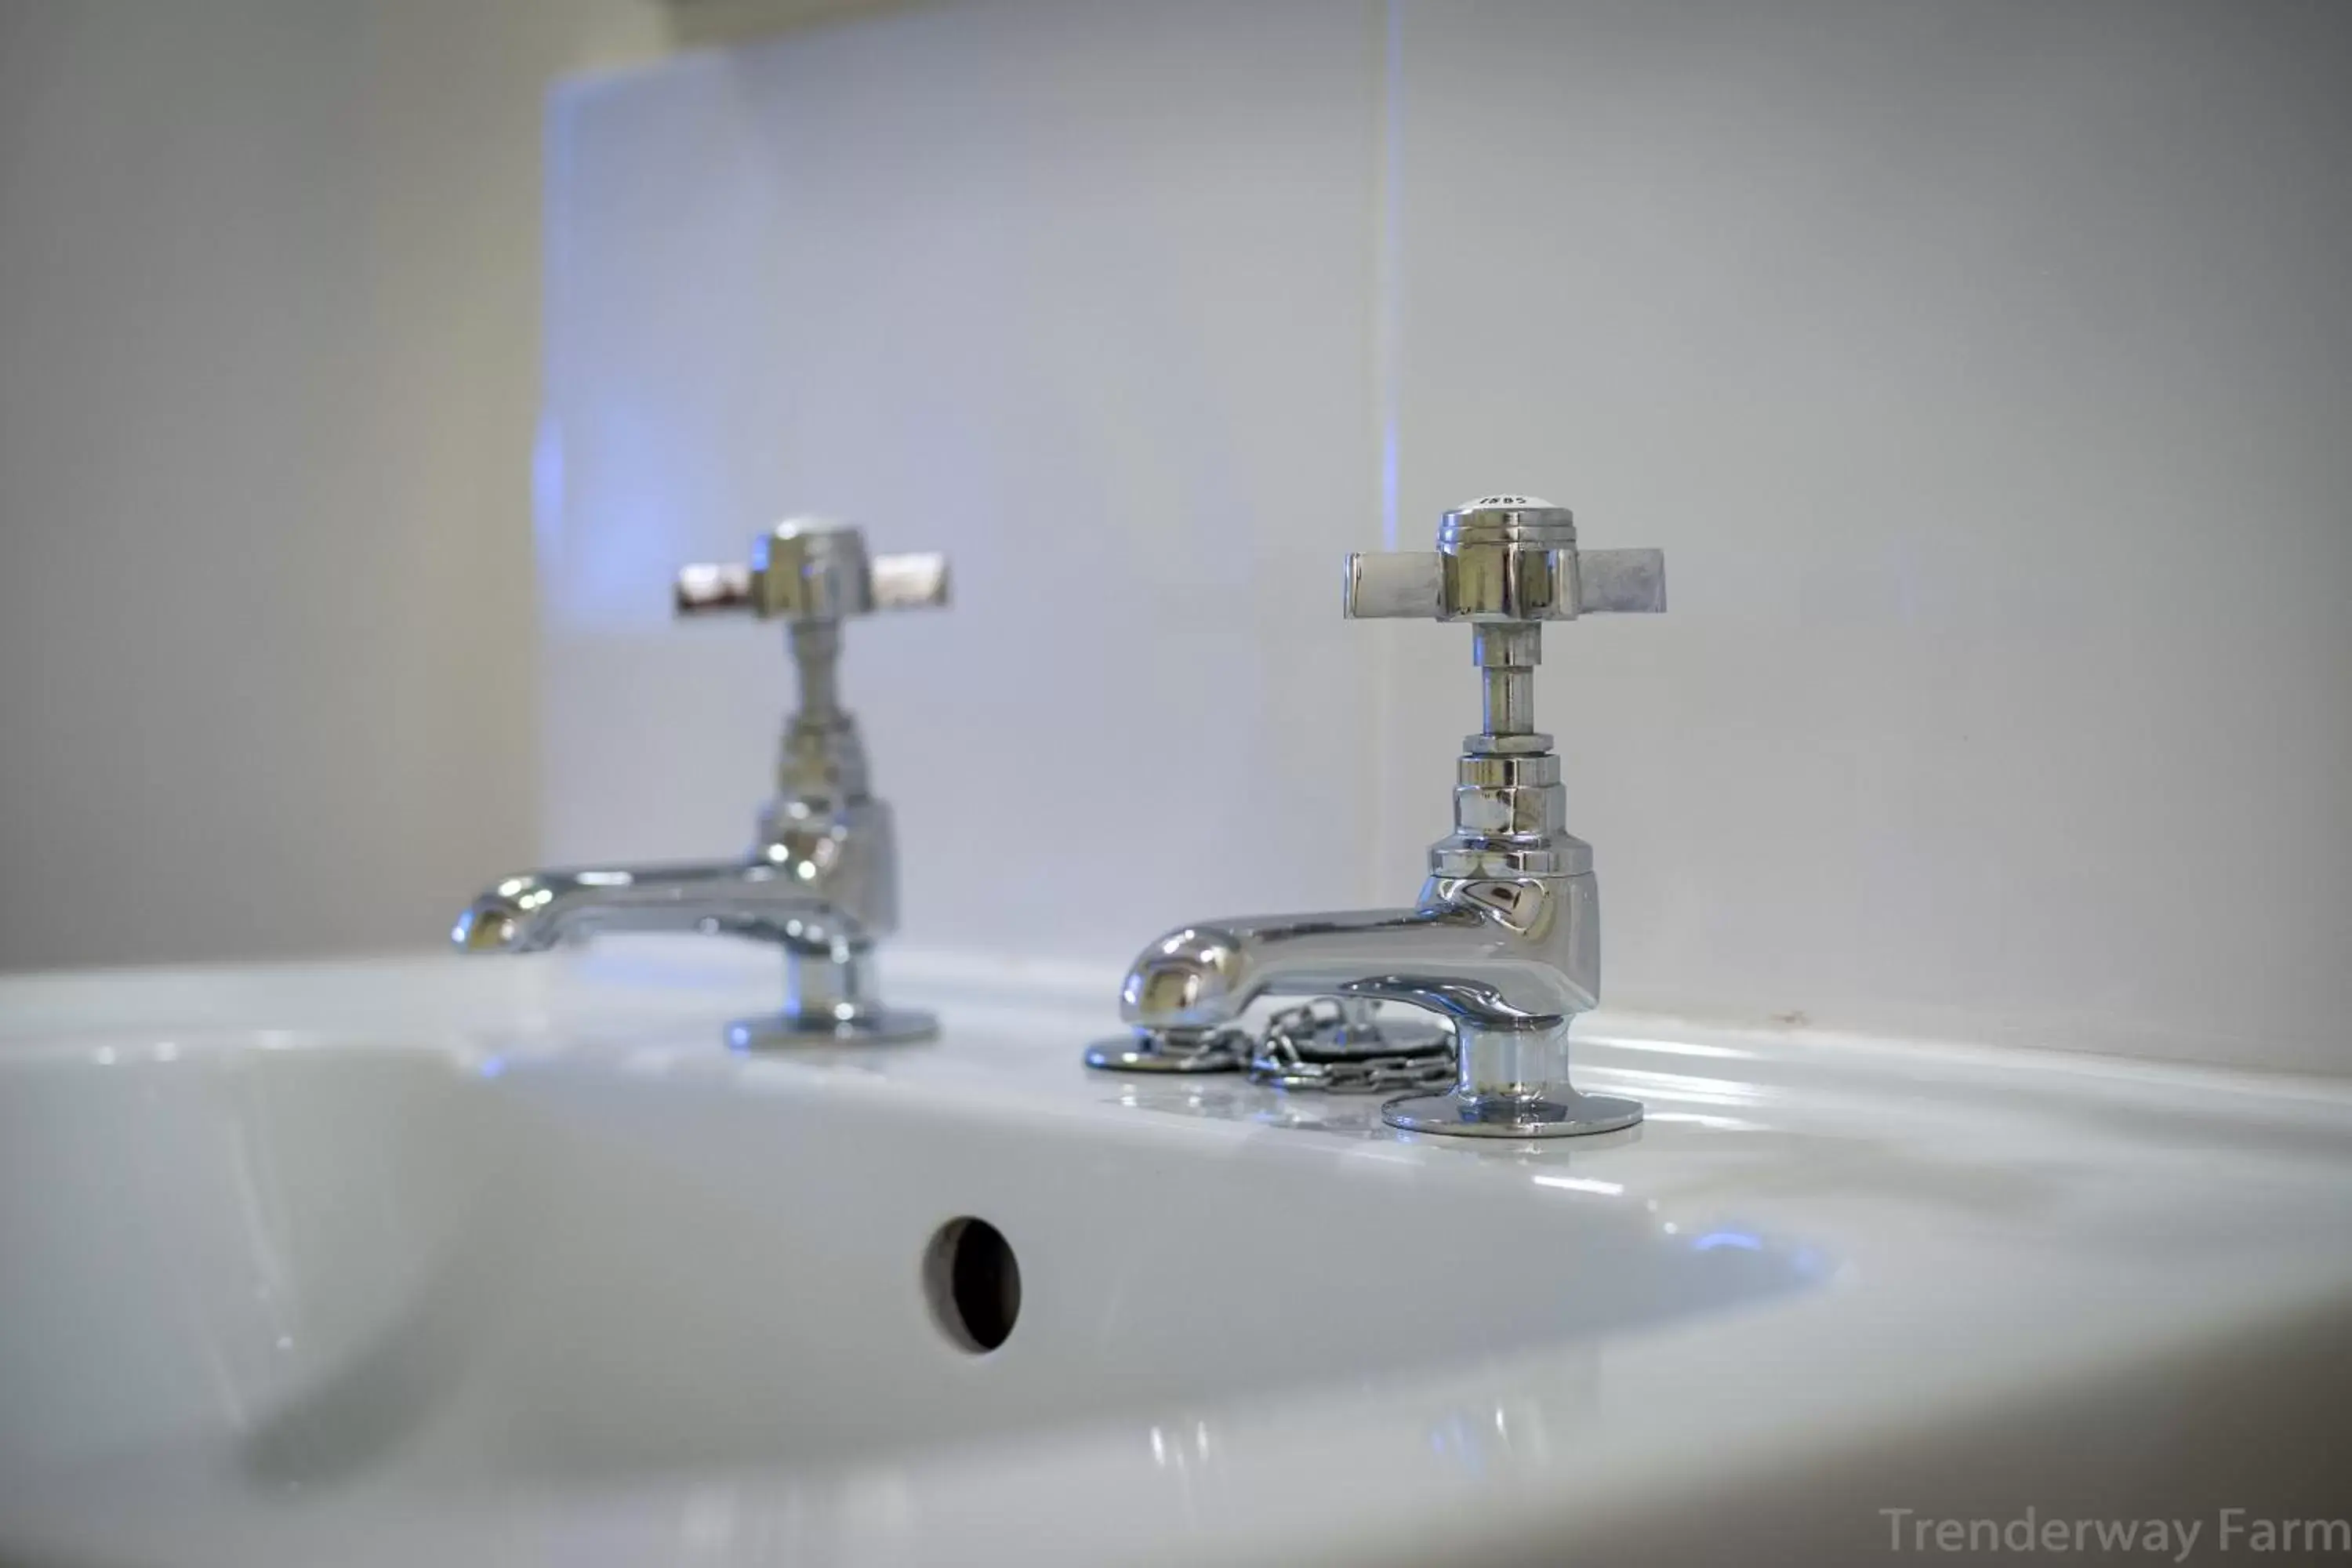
{"x":821,"y":881}
{"x":1504,"y":939}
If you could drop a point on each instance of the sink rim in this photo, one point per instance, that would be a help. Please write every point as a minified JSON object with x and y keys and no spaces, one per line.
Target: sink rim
{"x":1544,"y":1439}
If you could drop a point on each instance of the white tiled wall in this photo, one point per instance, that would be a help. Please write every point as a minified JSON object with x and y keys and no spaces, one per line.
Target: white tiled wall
{"x":1077,"y":294}
{"x":268,"y":366}
{"x":1983,"y":369}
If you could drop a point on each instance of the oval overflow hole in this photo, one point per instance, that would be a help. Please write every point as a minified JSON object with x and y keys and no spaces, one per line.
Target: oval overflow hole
{"x":974,"y":1283}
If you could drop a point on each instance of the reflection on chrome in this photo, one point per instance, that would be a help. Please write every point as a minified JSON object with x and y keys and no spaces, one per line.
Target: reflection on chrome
{"x":1504,"y":940}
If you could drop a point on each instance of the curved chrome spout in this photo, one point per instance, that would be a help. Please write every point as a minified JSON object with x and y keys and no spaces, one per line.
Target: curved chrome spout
{"x":822,"y":885}
{"x":826,"y":919}
{"x":755,"y":898}
{"x":1504,"y":954}
{"x":1202,"y":976}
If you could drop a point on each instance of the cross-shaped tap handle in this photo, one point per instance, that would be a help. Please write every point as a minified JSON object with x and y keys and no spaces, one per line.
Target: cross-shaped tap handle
{"x":1507,"y":563}
{"x":812,"y":569}
{"x":1505,"y":558}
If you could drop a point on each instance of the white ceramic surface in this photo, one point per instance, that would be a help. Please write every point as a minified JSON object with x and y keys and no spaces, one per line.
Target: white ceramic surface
{"x":1980,"y":368}
{"x":509,"y":1262}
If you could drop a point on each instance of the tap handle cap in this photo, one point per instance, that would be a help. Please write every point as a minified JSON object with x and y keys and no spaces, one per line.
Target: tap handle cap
{"x":1509,"y":558}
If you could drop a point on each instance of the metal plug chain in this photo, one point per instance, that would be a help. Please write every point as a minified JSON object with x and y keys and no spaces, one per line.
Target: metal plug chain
{"x":1340,"y":1048}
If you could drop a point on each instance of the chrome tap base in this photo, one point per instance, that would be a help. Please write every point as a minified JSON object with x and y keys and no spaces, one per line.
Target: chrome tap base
{"x":1512,"y":1084}
{"x":1563,"y":1114}
{"x":829,"y":1000}
{"x":1172,"y":1051}
{"x":789,"y":1031}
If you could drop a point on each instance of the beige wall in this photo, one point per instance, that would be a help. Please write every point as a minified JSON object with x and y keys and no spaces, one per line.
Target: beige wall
{"x":268,"y":374}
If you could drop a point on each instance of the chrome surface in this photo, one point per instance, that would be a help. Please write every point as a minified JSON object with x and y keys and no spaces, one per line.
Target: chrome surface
{"x":1513,"y":1083}
{"x":1173,"y":1049}
{"x":821,"y":883}
{"x":1622,"y":582}
{"x":1342,"y":1046}
{"x":1504,"y":939}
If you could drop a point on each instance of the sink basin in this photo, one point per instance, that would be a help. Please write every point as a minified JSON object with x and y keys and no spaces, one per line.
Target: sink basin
{"x":296,"y":1259}
{"x":412,"y":1260}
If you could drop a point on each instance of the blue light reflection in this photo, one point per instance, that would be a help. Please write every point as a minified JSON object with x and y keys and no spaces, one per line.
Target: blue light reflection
{"x":1741,"y":1239}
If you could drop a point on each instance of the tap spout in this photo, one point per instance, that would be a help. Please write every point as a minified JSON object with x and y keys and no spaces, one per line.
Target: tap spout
{"x":1506,"y":955}
{"x":757,"y":899}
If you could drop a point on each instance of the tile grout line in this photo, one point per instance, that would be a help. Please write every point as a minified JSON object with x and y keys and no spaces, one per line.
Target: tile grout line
{"x":1387,"y":356}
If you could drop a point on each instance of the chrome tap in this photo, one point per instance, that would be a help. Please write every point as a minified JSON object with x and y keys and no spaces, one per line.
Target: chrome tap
{"x":822,"y":882}
{"x":1504,"y":940}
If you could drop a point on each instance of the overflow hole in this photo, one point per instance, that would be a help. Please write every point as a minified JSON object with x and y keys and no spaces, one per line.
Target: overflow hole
{"x":974,"y":1283}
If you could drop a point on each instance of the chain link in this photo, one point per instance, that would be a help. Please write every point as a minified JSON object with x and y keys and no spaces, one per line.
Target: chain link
{"x":1317,"y":1045}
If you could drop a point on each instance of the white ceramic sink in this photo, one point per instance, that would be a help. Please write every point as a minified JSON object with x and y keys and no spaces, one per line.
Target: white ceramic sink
{"x":423,"y":1260}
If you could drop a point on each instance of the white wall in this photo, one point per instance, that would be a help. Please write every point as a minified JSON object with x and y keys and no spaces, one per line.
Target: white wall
{"x":870,"y":272}
{"x":1983,"y":369}
{"x":1986,"y":371}
{"x":269,"y":375}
